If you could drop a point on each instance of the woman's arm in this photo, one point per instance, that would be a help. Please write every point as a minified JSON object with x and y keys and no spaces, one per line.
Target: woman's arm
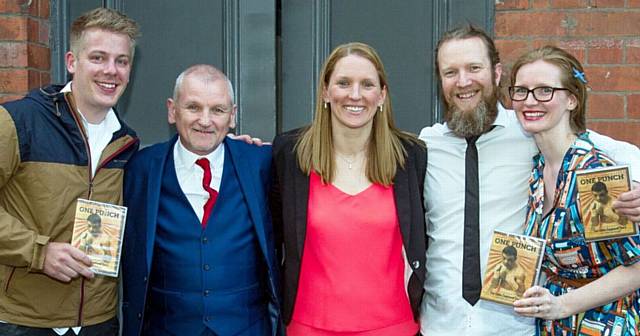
{"x":539,"y":302}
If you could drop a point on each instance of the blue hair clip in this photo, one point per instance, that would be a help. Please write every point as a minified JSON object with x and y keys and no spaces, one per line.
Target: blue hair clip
{"x":579,"y":75}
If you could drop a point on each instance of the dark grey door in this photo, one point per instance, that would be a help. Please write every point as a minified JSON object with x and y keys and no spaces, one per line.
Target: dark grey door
{"x":235,"y":36}
{"x":403,"y":32}
{"x":272,"y":51}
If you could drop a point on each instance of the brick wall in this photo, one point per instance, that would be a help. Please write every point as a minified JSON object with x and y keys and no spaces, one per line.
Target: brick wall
{"x":24,"y":47}
{"x":603,"y":34}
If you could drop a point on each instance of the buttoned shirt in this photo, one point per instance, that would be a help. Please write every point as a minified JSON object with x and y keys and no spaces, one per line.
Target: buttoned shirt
{"x":190,"y":174}
{"x":504,"y":166}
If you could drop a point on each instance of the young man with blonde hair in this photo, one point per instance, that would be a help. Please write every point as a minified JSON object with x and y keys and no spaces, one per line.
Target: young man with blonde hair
{"x":58,"y":144}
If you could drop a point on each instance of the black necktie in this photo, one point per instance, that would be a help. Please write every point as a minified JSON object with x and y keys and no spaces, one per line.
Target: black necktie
{"x":471,"y":283}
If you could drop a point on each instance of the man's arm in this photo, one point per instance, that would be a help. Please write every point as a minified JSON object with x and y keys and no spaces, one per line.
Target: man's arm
{"x":20,"y":246}
{"x":623,"y":153}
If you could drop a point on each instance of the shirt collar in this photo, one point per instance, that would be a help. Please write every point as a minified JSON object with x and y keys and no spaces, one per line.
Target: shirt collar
{"x":187,"y":159}
{"x":110,"y":121}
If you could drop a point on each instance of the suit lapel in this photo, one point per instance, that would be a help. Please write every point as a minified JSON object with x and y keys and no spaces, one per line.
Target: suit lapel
{"x":247,"y":179}
{"x":301,"y":192}
{"x":403,"y":205}
{"x":157,"y":165}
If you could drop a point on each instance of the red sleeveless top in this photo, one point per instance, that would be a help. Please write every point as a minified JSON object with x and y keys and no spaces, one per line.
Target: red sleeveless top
{"x":352,"y":272}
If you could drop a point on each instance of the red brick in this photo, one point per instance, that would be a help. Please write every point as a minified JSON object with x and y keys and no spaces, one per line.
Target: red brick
{"x":44,"y":9}
{"x":511,"y":49}
{"x":33,"y":30}
{"x":618,"y":78}
{"x":13,"y":54}
{"x":633,"y":3}
{"x":604,"y":23}
{"x":43,"y":33}
{"x":632,"y":49}
{"x":514,"y":24}
{"x":633,"y":106}
{"x":33,"y":7}
{"x":621,"y":130}
{"x":14,"y":81}
{"x":512,"y":4}
{"x":539,"y":4}
{"x":569,"y":3}
{"x":587,"y":4}
{"x":10,"y":6}
{"x":605,"y":106}
{"x":609,"y":4}
{"x":13,"y":28}
{"x":577,"y":48}
{"x":605,"y":56}
{"x":38,"y":31}
{"x":45,"y":78}
{"x":605,"y":51}
{"x":39,"y":57}
{"x":6,"y":98}
{"x":573,"y":24}
{"x":33,"y":79}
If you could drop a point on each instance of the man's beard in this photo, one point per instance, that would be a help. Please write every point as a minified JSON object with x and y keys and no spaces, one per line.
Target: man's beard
{"x":476,"y":121}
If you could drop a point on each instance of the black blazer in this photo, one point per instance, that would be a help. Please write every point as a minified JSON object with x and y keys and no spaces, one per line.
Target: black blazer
{"x":290,"y":196}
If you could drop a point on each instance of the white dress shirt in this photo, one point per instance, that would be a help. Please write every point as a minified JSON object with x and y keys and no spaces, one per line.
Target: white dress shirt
{"x":190,"y":174}
{"x":504,"y":165}
{"x":98,"y":135}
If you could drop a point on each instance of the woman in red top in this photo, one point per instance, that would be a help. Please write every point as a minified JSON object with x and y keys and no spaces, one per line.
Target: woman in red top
{"x":348,"y":207}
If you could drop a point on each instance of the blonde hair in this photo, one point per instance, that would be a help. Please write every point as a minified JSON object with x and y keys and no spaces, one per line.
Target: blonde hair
{"x":385,"y":151}
{"x":105,"y":19}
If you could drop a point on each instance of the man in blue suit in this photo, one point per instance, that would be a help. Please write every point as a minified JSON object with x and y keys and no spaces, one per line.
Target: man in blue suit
{"x":198,"y":255}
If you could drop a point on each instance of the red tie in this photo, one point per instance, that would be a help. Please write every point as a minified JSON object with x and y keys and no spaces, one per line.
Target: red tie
{"x":206,"y":182}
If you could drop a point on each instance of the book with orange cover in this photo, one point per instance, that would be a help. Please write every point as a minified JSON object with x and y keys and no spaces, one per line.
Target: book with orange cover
{"x":597,"y":190}
{"x":512,"y":267}
{"x":97,"y":231}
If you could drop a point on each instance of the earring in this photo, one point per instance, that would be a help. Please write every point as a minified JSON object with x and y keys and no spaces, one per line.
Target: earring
{"x":380,"y":107}
{"x":326,"y":105}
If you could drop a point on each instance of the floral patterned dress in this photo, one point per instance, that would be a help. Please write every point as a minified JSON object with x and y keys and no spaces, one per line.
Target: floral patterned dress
{"x":569,"y":260}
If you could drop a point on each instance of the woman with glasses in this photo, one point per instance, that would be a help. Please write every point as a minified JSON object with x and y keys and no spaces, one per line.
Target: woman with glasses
{"x":590,"y":288}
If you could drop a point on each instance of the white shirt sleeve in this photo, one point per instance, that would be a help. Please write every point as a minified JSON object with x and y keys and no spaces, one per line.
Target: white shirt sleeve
{"x":621,"y":152}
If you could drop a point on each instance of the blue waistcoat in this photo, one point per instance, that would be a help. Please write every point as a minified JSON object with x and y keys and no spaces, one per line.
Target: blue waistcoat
{"x":205,"y":278}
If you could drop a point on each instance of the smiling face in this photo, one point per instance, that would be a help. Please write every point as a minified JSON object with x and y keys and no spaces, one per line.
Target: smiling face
{"x":100,"y":69}
{"x":543,"y":117}
{"x":353,"y":92}
{"x":469,"y":85}
{"x":203,"y":112}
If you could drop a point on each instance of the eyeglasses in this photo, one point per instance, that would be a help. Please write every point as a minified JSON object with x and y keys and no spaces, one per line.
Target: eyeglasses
{"x":541,"y":94}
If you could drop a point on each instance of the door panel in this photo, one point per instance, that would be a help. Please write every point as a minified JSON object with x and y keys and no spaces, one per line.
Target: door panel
{"x":403,"y":32}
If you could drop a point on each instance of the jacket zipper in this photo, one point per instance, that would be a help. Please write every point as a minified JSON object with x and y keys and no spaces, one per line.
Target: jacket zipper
{"x":6,"y":287}
{"x":91,"y":178}
{"x":86,"y":145}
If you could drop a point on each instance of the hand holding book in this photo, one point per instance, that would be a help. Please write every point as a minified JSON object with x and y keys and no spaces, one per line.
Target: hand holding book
{"x":65,"y":262}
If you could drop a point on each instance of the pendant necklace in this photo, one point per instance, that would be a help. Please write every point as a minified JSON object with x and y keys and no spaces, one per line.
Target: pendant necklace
{"x":349,"y":162}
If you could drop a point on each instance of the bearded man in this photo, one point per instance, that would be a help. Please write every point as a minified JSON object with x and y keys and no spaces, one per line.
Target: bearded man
{"x":477,"y":176}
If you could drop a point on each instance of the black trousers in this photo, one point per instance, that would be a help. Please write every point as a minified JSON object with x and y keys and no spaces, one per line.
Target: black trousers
{"x":107,"y":328}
